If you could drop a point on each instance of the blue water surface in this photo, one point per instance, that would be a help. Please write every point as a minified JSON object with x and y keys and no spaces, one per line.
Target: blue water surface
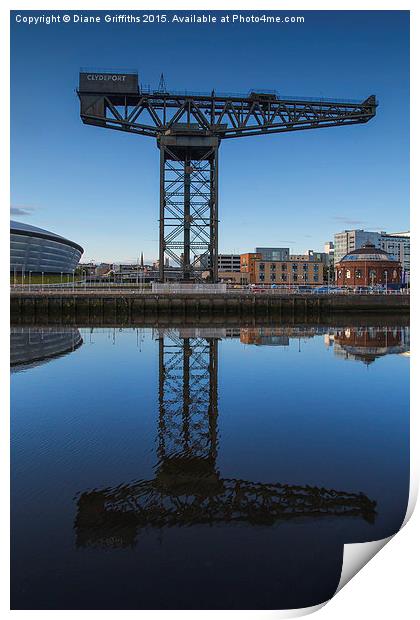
{"x":202,"y":468}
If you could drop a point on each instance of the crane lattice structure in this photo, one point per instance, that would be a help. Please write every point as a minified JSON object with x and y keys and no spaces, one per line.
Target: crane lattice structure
{"x":187,"y":397}
{"x":188,"y":488}
{"x":188,"y":128}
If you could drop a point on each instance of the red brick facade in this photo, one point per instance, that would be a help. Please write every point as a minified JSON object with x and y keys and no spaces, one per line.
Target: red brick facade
{"x":368,"y":266}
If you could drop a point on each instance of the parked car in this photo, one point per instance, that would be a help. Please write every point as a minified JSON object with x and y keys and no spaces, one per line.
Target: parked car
{"x":304,"y":288}
{"x":363,"y":289}
{"x":332,"y":290}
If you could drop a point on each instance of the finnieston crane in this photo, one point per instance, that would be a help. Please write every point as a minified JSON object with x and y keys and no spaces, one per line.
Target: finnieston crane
{"x":188,"y":128}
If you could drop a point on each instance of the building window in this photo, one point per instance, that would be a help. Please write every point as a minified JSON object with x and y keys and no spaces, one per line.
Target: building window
{"x":340,"y":273}
{"x":261,"y":277}
{"x":295,"y":277}
{"x":358,"y":273}
{"x":283,"y":267}
{"x":316,"y":268}
{"x":272,"y":267}
{"x":348,"y":274}
{"x":316,"y":278}
{"x":262,"y":266}
{"x":283,"y":277}
{"x":294,"y":267}
{"x":272,"y":277}
{"x":305,"y":267}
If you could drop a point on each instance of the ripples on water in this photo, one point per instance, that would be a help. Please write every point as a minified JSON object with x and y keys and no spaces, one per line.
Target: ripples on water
{"x":202,"y":467}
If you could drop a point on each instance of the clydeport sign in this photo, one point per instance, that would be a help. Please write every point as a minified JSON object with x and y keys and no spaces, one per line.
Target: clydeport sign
{"x":124,"y":83}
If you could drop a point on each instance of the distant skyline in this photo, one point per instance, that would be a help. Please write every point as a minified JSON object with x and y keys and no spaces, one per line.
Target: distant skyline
{"x":100,"y":187}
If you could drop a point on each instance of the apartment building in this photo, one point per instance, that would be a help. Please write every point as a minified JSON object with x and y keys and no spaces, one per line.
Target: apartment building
{"x":287,"y":272}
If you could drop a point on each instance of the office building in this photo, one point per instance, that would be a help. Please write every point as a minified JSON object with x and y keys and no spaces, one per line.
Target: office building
{"x":229,"y":262}
{"x":349,"y":240}
{"x":329,"y":247}
{"x":398,"y":247}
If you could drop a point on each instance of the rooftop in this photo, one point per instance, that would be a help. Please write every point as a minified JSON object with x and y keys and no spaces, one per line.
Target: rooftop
{"x":368,"y":252}
{"x":22,"y":228}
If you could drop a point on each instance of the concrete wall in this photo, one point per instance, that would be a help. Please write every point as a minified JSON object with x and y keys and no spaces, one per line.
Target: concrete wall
{"x":106,"y":307}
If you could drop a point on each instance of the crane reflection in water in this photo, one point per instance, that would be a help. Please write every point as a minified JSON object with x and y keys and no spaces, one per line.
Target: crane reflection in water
{"x":188,"y":488}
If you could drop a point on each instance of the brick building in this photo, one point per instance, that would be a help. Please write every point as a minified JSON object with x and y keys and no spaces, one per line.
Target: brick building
{"x":368,"y":266}
{"x":302,"y":271}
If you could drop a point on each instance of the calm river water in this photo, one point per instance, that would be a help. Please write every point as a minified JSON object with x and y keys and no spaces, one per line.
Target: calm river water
{"x":202,"y":468}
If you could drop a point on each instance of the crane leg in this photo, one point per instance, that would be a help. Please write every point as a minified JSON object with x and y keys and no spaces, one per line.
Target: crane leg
{"x":188,"y":233}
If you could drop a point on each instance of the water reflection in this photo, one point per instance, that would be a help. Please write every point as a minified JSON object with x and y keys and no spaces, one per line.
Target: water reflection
{"x":217,"y":468}
{"x":368,"y":344}
{"x":32,"y":346}
{"x":276,"y":336}
{"x":187,"y":488}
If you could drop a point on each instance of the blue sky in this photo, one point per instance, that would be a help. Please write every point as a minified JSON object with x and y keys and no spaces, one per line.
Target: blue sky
{"x":100,"y":188}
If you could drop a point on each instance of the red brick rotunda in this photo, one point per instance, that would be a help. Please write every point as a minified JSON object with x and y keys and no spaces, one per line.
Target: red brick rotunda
{"x":368,"y":266}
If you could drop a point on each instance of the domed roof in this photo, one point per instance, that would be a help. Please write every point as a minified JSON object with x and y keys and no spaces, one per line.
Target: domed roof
{"x":368,"y":252}
{"x":20,"y":228}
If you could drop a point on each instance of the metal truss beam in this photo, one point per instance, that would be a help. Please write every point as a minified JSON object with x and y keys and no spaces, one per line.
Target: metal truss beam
{"x":111,"y":516}
{"x":154,"y":114}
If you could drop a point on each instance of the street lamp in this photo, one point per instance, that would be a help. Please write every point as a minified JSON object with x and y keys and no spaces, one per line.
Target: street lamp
{"x":30,"y":272}
{"x":42,"y":280}
{"x":61,"y":278}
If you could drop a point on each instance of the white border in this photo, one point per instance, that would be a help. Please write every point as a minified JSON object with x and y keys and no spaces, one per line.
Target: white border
{"x":388,"y":587}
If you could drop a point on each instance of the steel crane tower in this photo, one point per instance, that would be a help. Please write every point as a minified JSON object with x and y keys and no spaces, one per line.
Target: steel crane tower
{"x":188,"y":128}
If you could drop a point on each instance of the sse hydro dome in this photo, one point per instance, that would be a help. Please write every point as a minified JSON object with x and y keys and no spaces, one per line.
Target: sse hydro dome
{"x":40,"y":251}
